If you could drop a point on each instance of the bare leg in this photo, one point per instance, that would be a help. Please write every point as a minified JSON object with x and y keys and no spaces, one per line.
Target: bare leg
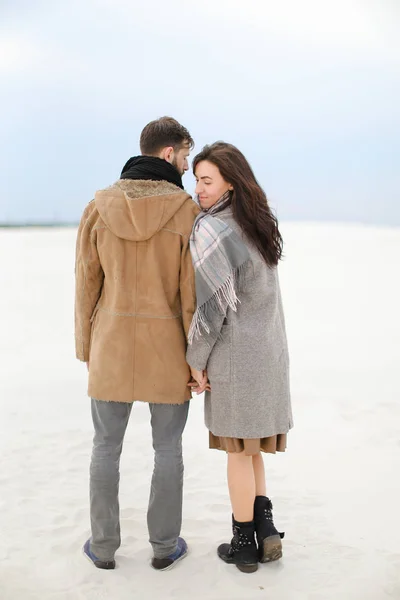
{"x":259,"y":474}
{"x":242,"y":486}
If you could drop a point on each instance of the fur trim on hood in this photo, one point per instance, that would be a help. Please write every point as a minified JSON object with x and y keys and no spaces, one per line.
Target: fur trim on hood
{"x":137,"y":209}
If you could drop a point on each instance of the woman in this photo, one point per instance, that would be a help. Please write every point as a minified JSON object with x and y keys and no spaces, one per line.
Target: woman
{"x":237,"y":342}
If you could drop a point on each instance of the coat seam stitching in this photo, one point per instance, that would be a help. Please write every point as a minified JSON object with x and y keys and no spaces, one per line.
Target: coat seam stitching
{"x":130,"y":314}
{"x":172,"y":231}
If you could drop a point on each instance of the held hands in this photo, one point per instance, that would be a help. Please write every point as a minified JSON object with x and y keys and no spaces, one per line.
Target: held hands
{"x":199,"y":381}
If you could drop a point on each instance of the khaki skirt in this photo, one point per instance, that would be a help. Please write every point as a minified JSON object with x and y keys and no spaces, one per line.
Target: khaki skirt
{"x":273,"y":444}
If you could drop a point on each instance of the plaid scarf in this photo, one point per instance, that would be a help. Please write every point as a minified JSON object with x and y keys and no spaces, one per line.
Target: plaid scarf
{"x":219,"y":257}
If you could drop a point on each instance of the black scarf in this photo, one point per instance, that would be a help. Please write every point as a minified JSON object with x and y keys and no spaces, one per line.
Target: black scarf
{"x":151,"y":167}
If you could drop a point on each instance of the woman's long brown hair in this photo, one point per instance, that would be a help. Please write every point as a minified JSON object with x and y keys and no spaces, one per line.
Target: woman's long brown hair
{"x":248,"y":200}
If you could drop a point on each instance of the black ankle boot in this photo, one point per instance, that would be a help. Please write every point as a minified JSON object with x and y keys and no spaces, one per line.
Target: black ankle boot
{"x":268,"y":537}
{"x":242,"y":551}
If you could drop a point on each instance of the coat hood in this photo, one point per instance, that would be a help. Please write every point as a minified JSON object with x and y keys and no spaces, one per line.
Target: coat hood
{"x":136,"y":209}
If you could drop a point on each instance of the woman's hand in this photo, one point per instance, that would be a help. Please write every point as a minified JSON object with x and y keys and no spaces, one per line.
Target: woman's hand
{"x":200,"y":383}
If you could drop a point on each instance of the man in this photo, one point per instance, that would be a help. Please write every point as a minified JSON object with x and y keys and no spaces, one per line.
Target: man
{"x":135,"y":298}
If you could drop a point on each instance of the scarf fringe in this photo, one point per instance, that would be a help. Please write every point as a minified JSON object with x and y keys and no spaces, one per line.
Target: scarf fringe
{"x":223,"y":298}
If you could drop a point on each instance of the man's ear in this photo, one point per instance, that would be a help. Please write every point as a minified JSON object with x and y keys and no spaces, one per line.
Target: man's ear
{"x":167,"y":153}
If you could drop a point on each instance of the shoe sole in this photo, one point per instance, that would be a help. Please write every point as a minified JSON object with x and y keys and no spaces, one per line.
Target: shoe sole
{"x":251,"y":568}
{"x":174,"y":563}
{"x":272,"y":549}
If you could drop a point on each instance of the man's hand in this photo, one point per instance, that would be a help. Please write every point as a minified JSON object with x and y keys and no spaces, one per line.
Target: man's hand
{"x":87,"y":365}
{"x":194,"y":386}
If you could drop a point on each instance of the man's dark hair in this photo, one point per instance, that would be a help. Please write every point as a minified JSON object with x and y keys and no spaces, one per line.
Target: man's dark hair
{"x":164,"y":132}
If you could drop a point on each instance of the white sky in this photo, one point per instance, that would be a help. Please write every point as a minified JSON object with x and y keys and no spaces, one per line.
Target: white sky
{"x":310,"y":91}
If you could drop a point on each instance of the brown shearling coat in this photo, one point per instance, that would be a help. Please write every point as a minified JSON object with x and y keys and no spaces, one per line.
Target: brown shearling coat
{"x":135,"y":292}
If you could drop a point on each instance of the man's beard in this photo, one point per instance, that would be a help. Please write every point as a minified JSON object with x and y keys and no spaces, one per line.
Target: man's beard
{"x":175,"y":164}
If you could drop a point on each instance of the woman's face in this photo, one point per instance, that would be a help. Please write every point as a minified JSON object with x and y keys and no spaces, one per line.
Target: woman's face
{"x":210,"y":185}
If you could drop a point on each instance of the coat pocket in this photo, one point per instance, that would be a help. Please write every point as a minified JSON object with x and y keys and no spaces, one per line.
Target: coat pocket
{"x":219,"y":364}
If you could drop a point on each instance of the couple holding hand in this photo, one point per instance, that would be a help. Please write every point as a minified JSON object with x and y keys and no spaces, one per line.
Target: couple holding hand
{"x":175,"y":296}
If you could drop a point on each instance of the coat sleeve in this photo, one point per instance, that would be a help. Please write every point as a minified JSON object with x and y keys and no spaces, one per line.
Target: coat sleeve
{"x":198,"y":352}
{"x":89,"y":278}
{"x":187,"y":285}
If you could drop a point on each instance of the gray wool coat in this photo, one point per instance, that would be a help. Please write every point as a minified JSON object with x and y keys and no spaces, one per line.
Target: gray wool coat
{"x":248,"y":362}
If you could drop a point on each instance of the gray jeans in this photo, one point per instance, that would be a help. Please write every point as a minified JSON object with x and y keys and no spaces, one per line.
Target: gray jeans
{"x":164,"y":516}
